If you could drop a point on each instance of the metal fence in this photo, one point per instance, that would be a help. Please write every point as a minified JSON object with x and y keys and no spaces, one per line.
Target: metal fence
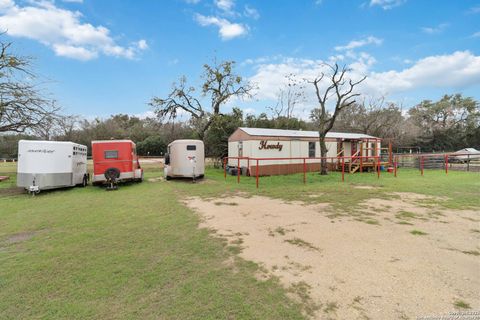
{"x":392,"y":163}
{"x":443,"y":161}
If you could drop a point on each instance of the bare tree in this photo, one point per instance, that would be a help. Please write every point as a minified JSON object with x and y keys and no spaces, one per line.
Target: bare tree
{"x":67,"y":125}
{"x":288,"y":98}
{"x":340,"y":91}
{"x":220,"y":84}
{"x":21,"y":105}
{"x":373,"y":116}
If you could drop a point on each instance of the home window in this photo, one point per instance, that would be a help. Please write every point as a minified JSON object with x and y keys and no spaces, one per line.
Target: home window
{"x":191,"y":147}
{"x":311,"y":149}
{"x":111,"y":154}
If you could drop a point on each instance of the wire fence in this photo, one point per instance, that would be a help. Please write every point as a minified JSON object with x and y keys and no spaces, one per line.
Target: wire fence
{"x":443,"y":161}
{"x":388,"y":163}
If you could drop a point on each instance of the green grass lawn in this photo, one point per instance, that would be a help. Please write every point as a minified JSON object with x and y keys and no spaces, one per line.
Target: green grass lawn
{"x":133,"y":253}
{"x":138,"y":253}
{"x":460,"y":189}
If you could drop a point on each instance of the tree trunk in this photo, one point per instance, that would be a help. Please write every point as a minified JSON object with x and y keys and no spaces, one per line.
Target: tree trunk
{"x":323,"y":154}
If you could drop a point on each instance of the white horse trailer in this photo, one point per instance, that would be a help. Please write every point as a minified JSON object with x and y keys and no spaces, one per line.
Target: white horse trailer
{"x":185,"y":159}
{"x":46,"y":165}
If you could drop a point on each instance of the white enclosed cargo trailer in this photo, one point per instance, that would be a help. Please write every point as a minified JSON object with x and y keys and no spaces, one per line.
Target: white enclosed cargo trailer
{"x":46,"y":165}
{"x":185,"y":159}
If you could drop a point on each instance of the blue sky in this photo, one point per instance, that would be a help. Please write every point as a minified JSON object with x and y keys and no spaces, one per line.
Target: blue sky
{"x":104,"y":57}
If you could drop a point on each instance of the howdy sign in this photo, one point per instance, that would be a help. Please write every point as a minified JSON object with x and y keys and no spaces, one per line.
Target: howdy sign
{"x":265,"y":146}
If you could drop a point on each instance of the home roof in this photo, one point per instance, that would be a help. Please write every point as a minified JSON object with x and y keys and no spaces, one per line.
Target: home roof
{"x":302,"y":134}
{"x":111,"y":141}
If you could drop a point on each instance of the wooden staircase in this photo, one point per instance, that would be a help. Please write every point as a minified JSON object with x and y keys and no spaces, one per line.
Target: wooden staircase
{"x":361,"y":160}
{"x":354,"y":165}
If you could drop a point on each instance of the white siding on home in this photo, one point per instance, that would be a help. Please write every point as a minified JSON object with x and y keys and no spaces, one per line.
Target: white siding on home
{"x":290,"y":149}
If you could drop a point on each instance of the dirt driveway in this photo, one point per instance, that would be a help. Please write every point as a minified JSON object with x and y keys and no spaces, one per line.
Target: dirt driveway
{"x":409,"y":261}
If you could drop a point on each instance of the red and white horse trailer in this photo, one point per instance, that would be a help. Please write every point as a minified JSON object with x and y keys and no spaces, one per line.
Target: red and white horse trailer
{"x":115,"y":161}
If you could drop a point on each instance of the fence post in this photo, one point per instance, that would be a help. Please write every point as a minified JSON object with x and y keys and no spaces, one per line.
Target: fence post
{"x":421,"y":165}
{"x":378,"y":167}
{"x":225,"y":168}
{"x":468,"y":162}
{"x":238,"y":170}
{"x":446,"y":164}
{"x":361,"y":156}
{"x":390,"y":155}
{"x":343,"y":168}
{"x":256,"y":169}
{"x":304,"y":171}
{"x":395,"y":167}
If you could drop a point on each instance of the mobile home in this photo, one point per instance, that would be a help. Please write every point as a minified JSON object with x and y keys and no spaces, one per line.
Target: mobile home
{"x":46,"y":165}
{"x":185,"y":159}
{"x":115,"y":161}
{"x":280,"y":146}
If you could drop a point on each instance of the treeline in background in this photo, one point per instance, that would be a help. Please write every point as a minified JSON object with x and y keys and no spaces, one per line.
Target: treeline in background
{"x":449,"y":124}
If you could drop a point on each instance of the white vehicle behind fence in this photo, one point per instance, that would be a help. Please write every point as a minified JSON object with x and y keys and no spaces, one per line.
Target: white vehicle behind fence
{"x":185,"y":159}
{"x":46,"y":165}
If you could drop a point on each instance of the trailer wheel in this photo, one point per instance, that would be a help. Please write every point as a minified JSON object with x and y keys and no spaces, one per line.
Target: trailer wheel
{"x":168,"y":178}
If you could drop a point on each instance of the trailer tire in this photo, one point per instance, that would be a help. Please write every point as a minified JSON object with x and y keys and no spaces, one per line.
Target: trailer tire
{"x":168,"y":178}
{"x":112,"y":174}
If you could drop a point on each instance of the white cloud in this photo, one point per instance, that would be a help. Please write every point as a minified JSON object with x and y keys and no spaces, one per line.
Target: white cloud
{"x":73,"y":1}
{"x":192,"y":1}
{"x":437,"y":29}
{"x":359,"y":43}
{"x":476,"y":35}
{"x":142,"y":44}
{"x":225,"y":5}
{"x":62,"y":30}
{"x":387,"y":4}
{"x":78,"y":53}
{"x":251,"y":12}
{"x":458,"y":70}
{"x":227,"y":30}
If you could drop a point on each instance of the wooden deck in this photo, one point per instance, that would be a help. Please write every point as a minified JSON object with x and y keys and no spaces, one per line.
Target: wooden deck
{"x":356,"y":166}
